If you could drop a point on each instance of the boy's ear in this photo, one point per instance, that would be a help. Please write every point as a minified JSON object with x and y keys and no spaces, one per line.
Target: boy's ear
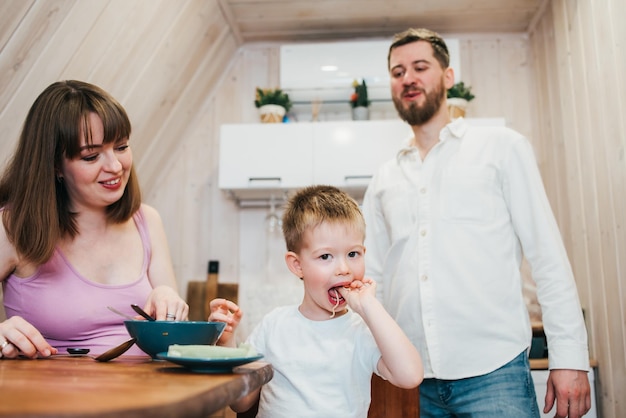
{"x":293,"y":263}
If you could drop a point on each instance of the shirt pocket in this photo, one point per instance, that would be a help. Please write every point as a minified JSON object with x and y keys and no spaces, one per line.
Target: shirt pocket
{"x":468,"y":194}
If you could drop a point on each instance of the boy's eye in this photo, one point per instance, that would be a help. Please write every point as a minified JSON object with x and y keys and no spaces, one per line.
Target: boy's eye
{"x":353,"y":254}
{"x":325,"y":256}
{"x":122,"y":147}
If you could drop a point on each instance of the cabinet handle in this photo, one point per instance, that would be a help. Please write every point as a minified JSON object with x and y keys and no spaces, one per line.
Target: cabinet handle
{"x":264,"y":181}
{"x":358,"y":179}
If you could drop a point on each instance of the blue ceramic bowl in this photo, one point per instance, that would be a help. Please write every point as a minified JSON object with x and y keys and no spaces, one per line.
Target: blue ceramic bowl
{"x":155,"y":337}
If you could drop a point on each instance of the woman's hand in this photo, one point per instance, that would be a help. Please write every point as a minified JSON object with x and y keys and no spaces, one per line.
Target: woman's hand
{"x":358,"y":292}
{"x":19,"y":337}
{"x":223,"y":310}
{"x":165,"y":304}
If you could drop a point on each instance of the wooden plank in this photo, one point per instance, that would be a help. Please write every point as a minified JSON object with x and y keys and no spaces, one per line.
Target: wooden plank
{"x":590,"y":183}
{"x":211,"y":286}
{"x":197,"y":294}
{"x":128,"y":58}
{"x":275,"y":19}
{"x":195,"y":299}
{"x":172,"y":68}
{"x":104,"y":54}
{"x":21,"y":58}
{"x":43,"y":47}
{"x":157,"y":153}
{"x":486,"y":83}
{"x":516,"y":100}
{"x":11,"y":14}
{"x":389,"y":401}
{"x":598,"y":121}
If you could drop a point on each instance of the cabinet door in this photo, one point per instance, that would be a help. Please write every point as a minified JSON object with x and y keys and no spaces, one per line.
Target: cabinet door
{"x":347,"y":155}
{"x":271,"y":156}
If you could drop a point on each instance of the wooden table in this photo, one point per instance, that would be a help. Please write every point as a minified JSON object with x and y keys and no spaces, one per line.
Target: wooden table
{"x":125,"y":387}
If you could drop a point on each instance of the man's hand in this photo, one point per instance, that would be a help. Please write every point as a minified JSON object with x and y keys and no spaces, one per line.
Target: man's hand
{"x":572,"y":392}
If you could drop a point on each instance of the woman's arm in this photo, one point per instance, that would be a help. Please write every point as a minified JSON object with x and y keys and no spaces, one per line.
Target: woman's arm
{"x":164,"y":297}
{"x":20,"y":335}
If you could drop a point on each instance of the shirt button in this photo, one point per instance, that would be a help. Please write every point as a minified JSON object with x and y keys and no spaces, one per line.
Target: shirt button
{"x":423,"y":190}
{"x":424,"y":277}
{"x":423,"y":232}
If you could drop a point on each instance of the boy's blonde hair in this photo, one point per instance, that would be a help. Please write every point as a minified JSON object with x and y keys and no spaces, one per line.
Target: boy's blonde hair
{"x":313,"y":205}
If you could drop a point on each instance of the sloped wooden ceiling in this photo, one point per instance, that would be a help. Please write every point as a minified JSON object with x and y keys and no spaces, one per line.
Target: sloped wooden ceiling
{"x":290,"y":20}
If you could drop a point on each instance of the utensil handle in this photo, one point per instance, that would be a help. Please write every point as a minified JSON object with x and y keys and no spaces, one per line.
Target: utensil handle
{"x":112,"y":309}
{"x":141,"y":312}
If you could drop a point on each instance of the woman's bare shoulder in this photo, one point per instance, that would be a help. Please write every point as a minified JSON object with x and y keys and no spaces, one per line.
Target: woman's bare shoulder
{"x":152,"y":216}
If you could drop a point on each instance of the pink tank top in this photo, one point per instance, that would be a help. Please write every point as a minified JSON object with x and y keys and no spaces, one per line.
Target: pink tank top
{"x":70,"y":310}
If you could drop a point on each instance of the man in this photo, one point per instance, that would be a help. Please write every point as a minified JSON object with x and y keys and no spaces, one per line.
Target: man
{"x":449,"y":220}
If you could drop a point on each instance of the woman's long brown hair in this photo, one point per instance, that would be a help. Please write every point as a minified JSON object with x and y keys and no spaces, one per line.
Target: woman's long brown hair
{"x":36,"y":203}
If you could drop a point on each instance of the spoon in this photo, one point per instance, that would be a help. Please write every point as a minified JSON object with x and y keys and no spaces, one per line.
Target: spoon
{"x":106,"y":356}
{"x":115,"y":351}
{"x":141,"y":312}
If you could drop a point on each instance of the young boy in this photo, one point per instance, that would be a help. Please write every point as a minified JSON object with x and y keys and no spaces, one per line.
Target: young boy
{"x":325,"y":350}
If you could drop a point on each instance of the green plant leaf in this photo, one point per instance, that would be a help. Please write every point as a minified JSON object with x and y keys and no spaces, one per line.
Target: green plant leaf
{"x":462,"y":91}
{"x":272,"y":96}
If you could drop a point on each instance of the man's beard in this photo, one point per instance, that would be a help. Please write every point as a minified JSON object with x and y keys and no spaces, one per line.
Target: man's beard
{"x":415,"y":115}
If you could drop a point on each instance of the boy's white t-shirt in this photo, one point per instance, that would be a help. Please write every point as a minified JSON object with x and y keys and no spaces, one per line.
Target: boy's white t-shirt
{"x":321,"y":368}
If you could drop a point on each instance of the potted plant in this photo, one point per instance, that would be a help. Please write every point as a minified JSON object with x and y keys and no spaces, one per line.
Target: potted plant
{"x":359,"y":101}
{"x":273,"y":104}
{"x":459,"y":95}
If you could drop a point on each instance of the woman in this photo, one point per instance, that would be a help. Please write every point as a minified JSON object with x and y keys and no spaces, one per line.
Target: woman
{"x":76,"y":237}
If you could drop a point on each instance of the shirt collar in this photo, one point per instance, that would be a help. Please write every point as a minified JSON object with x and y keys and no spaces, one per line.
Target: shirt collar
{"x":455,"y":129}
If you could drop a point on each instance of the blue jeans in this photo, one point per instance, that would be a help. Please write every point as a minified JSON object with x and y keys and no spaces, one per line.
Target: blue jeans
{"x":507,"y":392}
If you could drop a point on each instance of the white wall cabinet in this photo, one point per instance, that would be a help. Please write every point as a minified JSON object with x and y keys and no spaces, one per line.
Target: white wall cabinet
{"x":347,"y":155}
{"x":258,"y":161}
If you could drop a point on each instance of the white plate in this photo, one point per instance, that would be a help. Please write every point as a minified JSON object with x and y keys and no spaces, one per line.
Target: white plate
{"x":209,"y":365}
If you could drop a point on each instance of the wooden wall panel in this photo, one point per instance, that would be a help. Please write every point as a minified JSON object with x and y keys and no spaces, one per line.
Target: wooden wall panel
{"x":497,"y":68}
{"x":579,"y":63}
{"x":485,"y":77}
{"x":22,"y":74}
{"x":11,"y":13}
{"x":116,"y":52}
{"x":204,"y":222}
{"x":218,"y":52}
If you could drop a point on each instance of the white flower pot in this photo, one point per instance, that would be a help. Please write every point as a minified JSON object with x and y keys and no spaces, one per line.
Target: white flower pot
{"x":456,"y":107}
{"x":272,"y":113}
{"x":360,"y":113}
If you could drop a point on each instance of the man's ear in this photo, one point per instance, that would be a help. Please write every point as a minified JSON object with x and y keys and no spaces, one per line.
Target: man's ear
{"x":293,"y":263}
{"x":448,"y":76}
